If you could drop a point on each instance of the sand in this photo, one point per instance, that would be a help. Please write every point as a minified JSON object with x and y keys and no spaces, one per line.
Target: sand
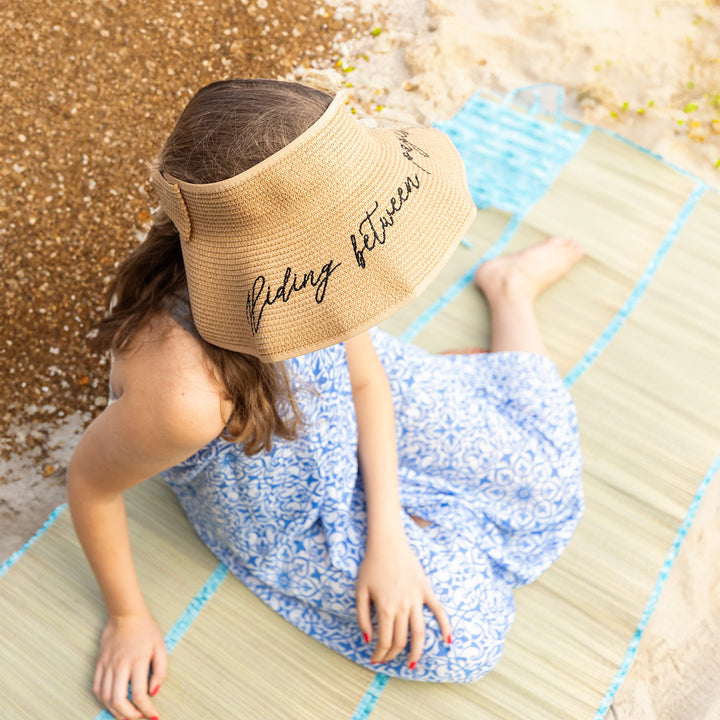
{"x":649,"y":70}
{"x":675,"y":673}
{"x":92,"y":88}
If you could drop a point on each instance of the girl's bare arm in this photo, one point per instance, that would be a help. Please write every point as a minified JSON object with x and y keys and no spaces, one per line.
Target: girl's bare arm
{"x":168,"y":409}
{"x":390,"y":578}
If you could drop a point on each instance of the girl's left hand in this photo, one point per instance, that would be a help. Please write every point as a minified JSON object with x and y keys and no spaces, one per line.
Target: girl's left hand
{"x":391,"y":578}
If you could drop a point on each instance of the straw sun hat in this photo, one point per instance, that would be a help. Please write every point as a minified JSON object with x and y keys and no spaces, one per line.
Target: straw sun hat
{"x":321,"y":240}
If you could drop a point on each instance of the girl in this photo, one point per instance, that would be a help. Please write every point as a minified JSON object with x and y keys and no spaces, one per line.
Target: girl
{"x":383,"y":500}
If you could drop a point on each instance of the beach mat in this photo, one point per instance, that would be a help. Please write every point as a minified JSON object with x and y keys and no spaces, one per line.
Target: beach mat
{"x":634,"y":330}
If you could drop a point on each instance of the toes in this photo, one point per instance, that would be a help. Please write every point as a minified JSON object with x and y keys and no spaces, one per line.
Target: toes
{"x":537,"y":266}
{"x":563,"y":241}
{"x":571,"y":246}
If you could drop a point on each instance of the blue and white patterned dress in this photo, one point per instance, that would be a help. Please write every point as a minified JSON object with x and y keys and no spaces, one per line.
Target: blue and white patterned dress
{"x":488,"y":452}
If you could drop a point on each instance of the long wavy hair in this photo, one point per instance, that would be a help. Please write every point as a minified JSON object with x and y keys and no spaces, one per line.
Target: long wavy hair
{"x":226,"y":128}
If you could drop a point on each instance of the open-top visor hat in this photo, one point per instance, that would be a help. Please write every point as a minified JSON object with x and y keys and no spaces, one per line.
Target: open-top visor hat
{"x":321,"y":240}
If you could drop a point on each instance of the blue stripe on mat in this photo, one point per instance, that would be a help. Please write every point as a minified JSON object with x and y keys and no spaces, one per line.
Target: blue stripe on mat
{"x":625,"y":311}
{"x":367,"y":703}
{"x":186,"y":619}
{"x":655,"y":594}
{"x":194,"y":607}
{"x":19,"y":553}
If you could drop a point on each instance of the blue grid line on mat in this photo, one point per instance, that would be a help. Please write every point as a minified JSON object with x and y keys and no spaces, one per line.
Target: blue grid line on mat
{"x":639,"y":290}
{"x":367,"y":703}
{"x":19,"y":553}
{"x":673,"y":166}
{"x":187,"y":617}
{"x":656,"y":591}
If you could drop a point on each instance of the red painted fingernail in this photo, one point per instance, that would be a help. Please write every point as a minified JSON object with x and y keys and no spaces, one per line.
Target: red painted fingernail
{"x":448,"y":639}
{"x":366,"y":637}
{"x":154,"y":692}
{"x":413,"y":665}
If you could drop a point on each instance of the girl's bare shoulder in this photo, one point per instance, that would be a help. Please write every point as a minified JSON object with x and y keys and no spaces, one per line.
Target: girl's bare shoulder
{"x":169,"y":405}
{"x":165,"y":376}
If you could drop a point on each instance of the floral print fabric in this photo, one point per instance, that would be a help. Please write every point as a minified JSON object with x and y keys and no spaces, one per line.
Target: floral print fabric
{"x":488,"y":453}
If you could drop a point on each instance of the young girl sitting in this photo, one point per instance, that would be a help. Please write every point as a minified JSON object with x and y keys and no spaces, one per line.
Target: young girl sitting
{"x":384,"y":500}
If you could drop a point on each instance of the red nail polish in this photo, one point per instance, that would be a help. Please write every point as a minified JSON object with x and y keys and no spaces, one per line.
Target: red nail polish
{"x":413,"y":665}
{"x":366,"y":637}
{"x":448,"y":639}
{"x":154,"y":692}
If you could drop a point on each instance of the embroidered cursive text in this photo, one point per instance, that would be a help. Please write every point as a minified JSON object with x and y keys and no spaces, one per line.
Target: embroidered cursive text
{"x":261,"y":295}
{"x":373,"y":228}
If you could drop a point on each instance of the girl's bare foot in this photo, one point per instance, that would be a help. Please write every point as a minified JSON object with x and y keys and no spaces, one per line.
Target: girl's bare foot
{"x":527,"y":273}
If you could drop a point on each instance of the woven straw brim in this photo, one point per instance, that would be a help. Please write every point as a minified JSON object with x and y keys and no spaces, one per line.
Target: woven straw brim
{"x":322,"y":240}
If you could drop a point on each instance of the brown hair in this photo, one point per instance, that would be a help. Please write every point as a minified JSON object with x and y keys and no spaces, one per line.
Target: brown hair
{"x":226,"y":128}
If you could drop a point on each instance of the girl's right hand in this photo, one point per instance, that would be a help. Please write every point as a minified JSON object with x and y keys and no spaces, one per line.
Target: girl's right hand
{"x":127,"y":647}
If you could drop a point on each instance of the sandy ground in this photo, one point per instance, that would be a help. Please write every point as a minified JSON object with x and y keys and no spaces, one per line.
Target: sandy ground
{"x":648,"y":69}
{"x":675,"y":673}
{"x":91,"y":90}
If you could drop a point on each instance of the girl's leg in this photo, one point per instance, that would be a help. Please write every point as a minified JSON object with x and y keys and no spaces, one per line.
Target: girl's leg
{"x":512,"y":283}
